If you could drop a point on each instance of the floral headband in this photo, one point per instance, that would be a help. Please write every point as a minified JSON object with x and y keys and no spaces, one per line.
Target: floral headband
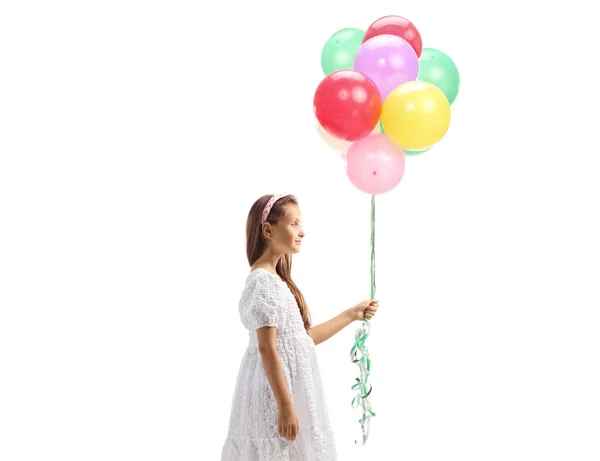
{"x":268,"y":207}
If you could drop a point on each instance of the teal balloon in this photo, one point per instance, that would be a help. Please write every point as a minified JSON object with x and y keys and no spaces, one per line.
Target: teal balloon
{"x":340,"y":50}
{"x":414,"y":152}
{"x":437,"y":68}
{"x":407,"y":152}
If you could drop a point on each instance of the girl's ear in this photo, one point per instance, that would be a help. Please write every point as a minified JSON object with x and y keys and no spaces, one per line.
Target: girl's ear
{"x":267,"y":230}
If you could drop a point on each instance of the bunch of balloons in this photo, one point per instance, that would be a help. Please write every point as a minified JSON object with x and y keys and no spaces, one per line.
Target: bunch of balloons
{"x":383,"y":97}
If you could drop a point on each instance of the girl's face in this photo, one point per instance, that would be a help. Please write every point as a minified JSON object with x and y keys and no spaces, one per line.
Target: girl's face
{"x":288,"y":233}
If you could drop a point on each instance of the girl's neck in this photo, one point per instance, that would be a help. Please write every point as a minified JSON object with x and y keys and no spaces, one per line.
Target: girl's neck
{"x":267,"y":262}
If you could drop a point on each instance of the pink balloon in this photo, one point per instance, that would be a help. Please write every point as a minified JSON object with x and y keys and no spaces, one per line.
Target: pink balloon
{"x":375,"y":165}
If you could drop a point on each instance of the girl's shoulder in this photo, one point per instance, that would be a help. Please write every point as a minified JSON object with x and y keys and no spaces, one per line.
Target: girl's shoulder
{"x":262,"y":282}
{"x":262,"y":286}
{"x":262,"y":276}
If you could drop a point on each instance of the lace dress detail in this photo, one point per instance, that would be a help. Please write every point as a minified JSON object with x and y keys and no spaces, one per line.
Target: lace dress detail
{"x":252,"y":434}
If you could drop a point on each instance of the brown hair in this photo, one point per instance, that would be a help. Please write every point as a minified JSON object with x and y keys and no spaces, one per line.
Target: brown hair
{"x":256,"y":246}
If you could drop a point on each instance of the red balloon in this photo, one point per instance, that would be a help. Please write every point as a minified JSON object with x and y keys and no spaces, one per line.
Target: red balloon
{"x":347,"y":104}
{"x":399,"y":26}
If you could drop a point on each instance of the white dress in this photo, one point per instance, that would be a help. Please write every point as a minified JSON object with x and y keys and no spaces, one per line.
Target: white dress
{"x":252,"y":434}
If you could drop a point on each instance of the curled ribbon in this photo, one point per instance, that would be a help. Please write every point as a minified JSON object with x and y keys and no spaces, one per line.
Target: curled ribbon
{"x":360,"y":355}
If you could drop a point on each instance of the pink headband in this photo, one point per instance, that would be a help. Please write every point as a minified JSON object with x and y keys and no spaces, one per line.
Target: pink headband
{"x":268,"y":207}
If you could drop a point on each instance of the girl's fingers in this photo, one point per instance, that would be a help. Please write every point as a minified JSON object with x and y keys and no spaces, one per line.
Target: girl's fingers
{"x":369,"y":313}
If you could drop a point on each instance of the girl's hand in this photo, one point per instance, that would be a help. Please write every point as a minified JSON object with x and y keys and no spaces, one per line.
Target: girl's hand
{"x":363,"y":310}
{"x":288,"y":422}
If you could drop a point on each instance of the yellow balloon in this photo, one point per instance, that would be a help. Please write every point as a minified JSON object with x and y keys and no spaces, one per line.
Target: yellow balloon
{"x":416,"y":115}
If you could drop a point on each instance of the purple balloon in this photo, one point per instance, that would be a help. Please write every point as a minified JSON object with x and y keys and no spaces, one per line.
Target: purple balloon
{"x":388,"y":60}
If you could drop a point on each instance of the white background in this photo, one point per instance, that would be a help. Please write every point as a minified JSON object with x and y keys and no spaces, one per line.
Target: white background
{"x":134,"y":136}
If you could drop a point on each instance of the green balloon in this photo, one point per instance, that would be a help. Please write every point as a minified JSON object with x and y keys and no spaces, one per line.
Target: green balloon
{"x":407,"y":152}
{"x":414,"y":152}
{"x":437,"y":68}
{"x":340,"y":49}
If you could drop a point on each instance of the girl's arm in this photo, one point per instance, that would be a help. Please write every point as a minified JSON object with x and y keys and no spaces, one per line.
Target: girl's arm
{"x":272,"y":364}
{"x":324,"y":331}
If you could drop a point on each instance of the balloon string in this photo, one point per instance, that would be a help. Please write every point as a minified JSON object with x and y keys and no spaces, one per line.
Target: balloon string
{"x":373,"y":247}
{"x":362,"y":386}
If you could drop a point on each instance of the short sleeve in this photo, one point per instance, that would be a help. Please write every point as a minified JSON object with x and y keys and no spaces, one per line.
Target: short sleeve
{"x":259,"y":306}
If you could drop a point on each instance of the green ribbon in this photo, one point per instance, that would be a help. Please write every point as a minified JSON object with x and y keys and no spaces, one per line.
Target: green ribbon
{"x":362,"y":386}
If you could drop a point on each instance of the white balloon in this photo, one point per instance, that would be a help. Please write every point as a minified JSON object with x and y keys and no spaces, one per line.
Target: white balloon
{"x":336,"y":143}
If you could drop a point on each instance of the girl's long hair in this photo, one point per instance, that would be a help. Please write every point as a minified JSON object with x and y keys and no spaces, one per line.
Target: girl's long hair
{"x":256,"y":246}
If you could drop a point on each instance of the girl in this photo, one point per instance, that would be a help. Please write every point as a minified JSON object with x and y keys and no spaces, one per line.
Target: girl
{"x":278,"y":411}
